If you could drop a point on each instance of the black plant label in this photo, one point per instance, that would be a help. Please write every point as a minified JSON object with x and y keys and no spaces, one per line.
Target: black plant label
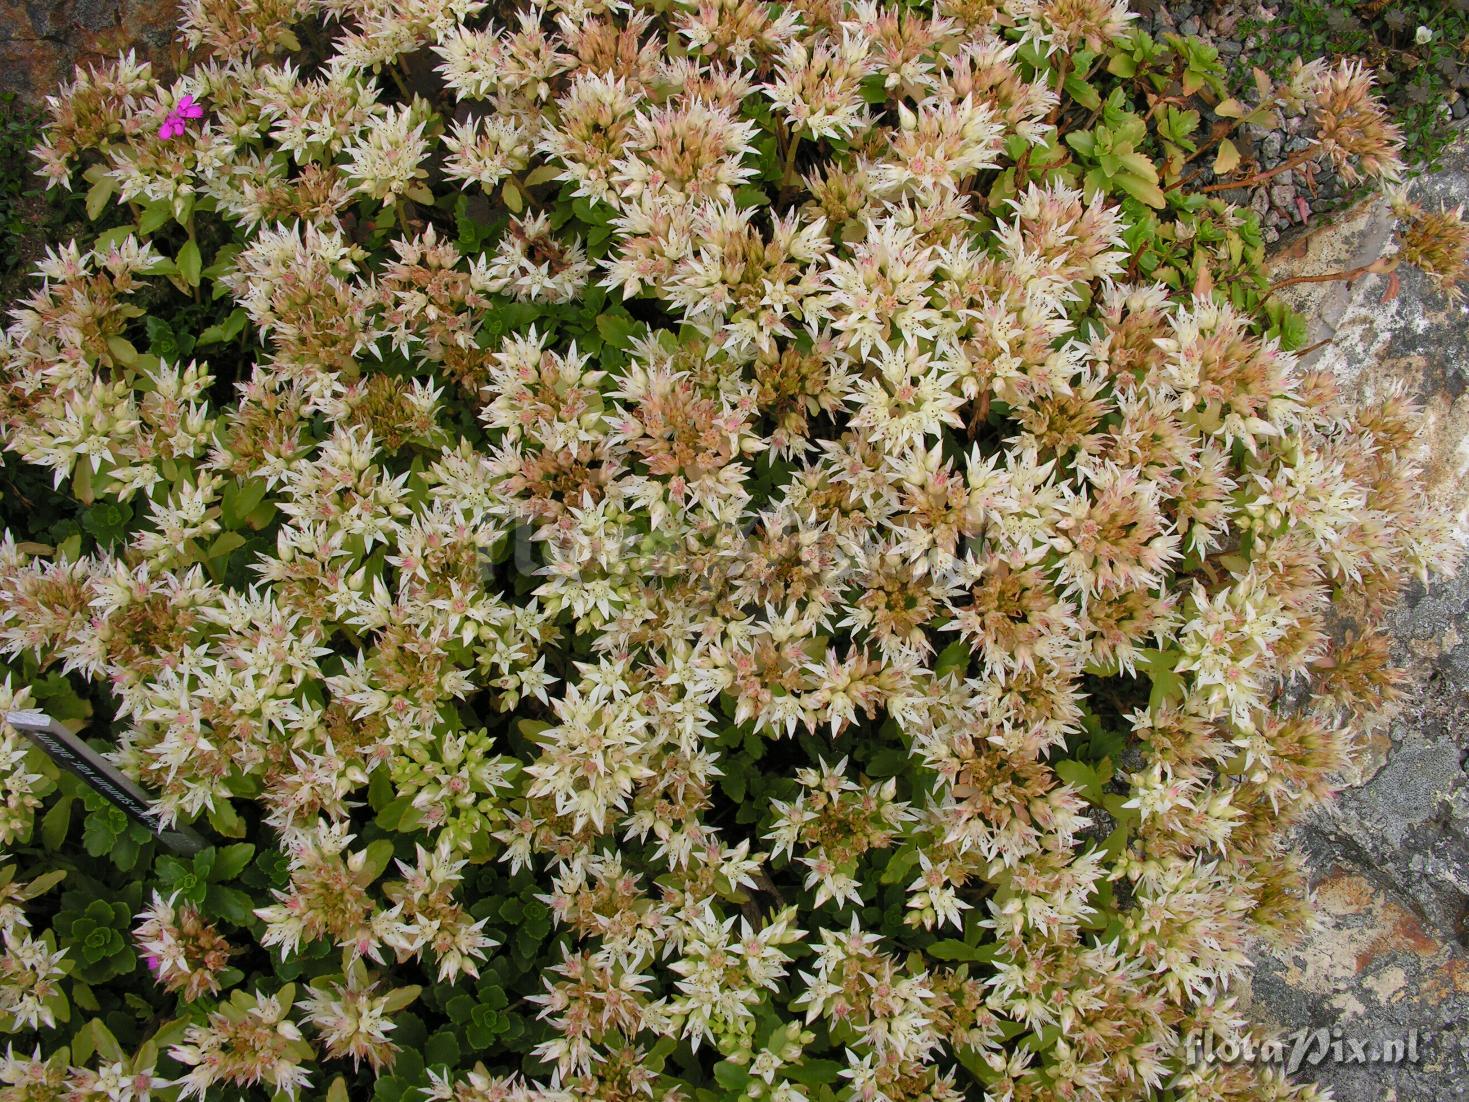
{"x":75,"y":756}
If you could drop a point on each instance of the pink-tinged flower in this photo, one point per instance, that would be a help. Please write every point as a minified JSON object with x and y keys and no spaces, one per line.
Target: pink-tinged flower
{"x":178,"y":119}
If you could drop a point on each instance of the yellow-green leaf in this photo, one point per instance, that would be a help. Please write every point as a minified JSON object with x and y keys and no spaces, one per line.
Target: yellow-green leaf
{"x":1144,"y":191}
{"x":400,"y":998}
{"x":226,"y":820}
{"x":153,"y":216}
{"x":98,"y":195}
{"x":190,"y":263}
{"x":1123,"y":66}
{"x":371,"y":862}
{"x":224,"y":544}
{"x":122,"y":351}
{"x":1135,"y":164}
{"x":616,"y":329}
{"x":1227,"y":159}
{"x":226,"y":330}
{"x":1082,"y":92}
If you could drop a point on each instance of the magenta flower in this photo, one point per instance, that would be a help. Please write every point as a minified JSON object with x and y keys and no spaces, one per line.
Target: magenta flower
{"x":176,"y":123}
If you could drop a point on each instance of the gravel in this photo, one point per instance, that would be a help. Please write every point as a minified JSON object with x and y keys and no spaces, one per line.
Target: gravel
{"x":1239,"y":29}
{"x":1289,"y":199}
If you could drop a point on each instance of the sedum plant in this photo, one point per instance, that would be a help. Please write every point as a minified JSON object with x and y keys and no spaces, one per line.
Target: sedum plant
{"x":698,"y":551}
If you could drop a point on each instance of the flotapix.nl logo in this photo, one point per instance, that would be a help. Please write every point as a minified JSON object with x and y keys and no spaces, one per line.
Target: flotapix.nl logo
{"x":1308,"y":1048}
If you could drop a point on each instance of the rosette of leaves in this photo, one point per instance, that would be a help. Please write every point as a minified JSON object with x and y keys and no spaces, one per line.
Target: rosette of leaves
{"x":107,"y":521}
{"x":95,"y":935}
{"x":526,"y":921}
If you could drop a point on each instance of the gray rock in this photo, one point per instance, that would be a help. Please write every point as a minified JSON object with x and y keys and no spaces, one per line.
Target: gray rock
{"x":1270,"y":147}
{"x":1388,"y":860}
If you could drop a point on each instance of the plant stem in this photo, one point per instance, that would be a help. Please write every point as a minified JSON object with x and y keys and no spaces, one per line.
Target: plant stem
{"x":1183,"y":181}
{"x":1063,"y":70}
{"x":787,"y":178}
{"x":189,"y":228}
{"x":1349,"y":274}
{"x":1260,"y":177}
{"x":1022,"y":166}
{"x":400,"y":82}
